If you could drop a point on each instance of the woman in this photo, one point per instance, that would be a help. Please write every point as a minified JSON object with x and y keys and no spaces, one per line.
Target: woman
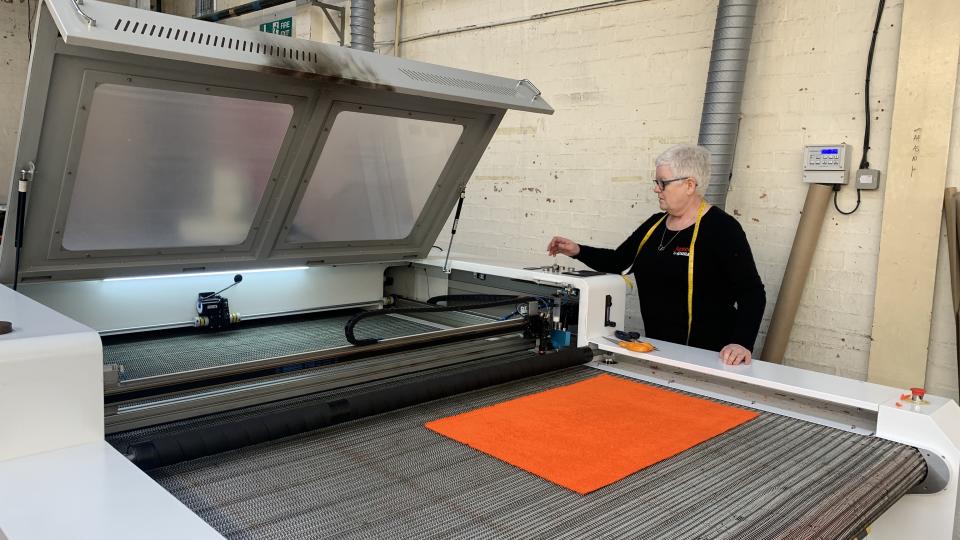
{"x":722,"y":312}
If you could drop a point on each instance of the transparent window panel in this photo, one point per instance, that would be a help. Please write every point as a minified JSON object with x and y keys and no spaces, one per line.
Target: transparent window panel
{"x":373,"y":178}
{"x":169,"y":169}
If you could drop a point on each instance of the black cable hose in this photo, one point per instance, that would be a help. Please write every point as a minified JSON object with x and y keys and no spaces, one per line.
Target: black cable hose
{"x":29,"y":32}
{"x":864,"y":164}
{"x":348,"y":329}
{"x":470,"y":298}
{"x":210,"y":440}
{"x":837,"y":206}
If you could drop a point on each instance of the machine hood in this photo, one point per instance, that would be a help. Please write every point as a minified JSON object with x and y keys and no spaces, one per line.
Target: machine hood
{"x":164,"y":145}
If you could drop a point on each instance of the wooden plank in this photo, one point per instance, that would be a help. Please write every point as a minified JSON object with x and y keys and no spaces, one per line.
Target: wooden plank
{"x":913,"y":198}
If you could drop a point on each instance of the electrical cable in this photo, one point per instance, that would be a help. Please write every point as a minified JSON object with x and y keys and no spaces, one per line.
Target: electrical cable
{"x":29,"y":32}
{"x":470,"y":298}
{"x":864,"y":162}
{"x":564,"y":315}
{"x":519,"y":20}
{"x":543,"y":303}
{"x":348,"y":329}
{"x":836,"y":190}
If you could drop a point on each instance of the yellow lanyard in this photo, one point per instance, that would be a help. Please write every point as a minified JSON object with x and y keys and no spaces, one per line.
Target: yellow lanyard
{"x":696,"y":230}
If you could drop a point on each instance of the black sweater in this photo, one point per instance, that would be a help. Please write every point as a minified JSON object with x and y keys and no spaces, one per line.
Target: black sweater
{"x":728,"y":296}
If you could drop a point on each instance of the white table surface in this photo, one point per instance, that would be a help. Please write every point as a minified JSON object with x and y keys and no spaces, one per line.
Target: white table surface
{"x":90,"y":492}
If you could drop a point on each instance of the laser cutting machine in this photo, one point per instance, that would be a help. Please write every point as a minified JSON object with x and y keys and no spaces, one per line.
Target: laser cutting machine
{"x":229,"y":320}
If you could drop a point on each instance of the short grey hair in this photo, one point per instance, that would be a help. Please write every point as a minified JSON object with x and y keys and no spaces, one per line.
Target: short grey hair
{"x":687,"y":160}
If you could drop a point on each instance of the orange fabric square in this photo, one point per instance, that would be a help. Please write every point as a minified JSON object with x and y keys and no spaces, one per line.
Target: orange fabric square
{"x":592,"y":433}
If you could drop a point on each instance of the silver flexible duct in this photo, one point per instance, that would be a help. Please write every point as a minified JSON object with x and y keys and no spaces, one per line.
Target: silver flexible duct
{"x":361,"y":24}
{"x":721,"y":104}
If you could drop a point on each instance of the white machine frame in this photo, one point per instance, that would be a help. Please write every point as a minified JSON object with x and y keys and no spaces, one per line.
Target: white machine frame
{"x":58,"y":478}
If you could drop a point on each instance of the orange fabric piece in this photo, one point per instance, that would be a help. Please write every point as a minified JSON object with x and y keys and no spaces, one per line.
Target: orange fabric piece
{"x":589,"y":434}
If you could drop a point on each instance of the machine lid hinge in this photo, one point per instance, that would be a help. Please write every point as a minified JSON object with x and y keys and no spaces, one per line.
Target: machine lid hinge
{"x":26,"y":176}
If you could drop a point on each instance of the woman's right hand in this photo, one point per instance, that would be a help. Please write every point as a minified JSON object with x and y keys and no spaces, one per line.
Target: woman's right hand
{"x":563,"y":246}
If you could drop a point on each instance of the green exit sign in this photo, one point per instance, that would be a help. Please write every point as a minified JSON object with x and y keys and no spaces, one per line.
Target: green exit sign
{"x":284,"y":27}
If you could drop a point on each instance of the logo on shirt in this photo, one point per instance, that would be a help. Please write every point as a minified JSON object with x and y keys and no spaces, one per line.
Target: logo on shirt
{"x":681,"y":251}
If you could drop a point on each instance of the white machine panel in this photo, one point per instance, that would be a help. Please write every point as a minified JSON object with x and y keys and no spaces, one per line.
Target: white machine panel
{"x":935,"y":427}
{"x":281,"y":152}
{"x":51,"y":380}
{"x":811,"y":384}
{"x":90,"y":492}
{"x":596,"y":316}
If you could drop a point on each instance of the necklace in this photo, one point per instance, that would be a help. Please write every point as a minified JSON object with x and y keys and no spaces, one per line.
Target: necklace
{"x":693,"y":241}
{"x":663,"y":245}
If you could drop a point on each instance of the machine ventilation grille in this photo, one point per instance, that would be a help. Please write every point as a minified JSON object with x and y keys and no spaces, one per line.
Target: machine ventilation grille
{"x":459,"y":83}
{"x":208,"y":39}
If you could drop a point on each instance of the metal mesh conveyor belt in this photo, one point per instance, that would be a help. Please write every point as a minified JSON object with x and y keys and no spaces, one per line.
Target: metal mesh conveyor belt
{"x":188,"y":350}
{"x":389,"y":477}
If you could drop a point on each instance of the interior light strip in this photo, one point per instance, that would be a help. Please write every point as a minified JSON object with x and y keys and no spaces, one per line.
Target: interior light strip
{"x":196,"y":274}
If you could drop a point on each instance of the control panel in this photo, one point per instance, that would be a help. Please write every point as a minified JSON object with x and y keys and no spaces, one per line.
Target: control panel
{"x":826,"y":164}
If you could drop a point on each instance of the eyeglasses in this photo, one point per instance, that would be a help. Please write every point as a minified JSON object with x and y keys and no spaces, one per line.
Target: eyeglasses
{"x":662,"y":184}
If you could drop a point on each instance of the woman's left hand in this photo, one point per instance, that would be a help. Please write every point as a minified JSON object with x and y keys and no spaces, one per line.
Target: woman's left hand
{"x":735,"y":354}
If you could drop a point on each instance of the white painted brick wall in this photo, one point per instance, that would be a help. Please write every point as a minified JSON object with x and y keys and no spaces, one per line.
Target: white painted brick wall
{"x":627,"y":82}
{"x":14,"y":56}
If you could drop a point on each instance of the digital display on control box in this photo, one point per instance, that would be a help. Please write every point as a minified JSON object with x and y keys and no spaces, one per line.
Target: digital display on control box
{"x":829,"y":151}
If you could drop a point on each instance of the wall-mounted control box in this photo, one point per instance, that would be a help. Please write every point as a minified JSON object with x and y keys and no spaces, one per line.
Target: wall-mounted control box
{"x":868,"y":179}
{"x":826,"y":163}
